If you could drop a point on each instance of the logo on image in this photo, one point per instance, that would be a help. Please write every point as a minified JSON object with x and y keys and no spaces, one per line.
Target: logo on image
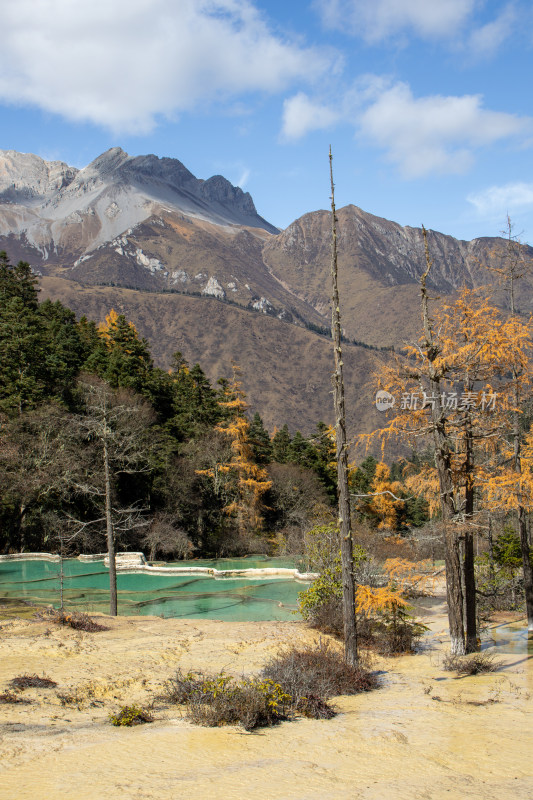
{"x":384,"y":400}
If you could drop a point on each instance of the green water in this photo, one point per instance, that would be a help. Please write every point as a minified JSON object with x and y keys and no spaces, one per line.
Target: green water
{"x":86,"y":588}
{"x":510,"y":638}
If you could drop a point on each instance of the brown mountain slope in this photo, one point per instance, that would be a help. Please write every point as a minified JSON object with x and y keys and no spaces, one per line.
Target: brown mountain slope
{"x":286,"y":370}
{"x":380,"y":263}
{"x":171,"y":251}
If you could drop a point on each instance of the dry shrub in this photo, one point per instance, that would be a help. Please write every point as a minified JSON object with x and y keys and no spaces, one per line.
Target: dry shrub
{"x":472,"y":664}
{"x":392,"y":638}
{"x":315,"y":707}
{"x":77,"y":620}
{"x":190,"y":685}
{"x":213,"y":700}
{"x":12,"y":697}
{"x":251,"y":703}
{"x":68,"y":698}
{"x":296,"y":681}
{"x":317,"y":671}
{"x":129,"y":716}
{"x":31,"y":682}
{"x":328,"y":617}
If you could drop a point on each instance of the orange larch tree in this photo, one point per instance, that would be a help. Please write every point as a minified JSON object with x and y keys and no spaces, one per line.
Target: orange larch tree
{"x":453,"y":389}
{"x":383,"y":501}
{"x":249,"y":482}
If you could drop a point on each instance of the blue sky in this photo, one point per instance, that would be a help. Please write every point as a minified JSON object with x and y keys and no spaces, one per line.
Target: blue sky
{"x":426,"y":103}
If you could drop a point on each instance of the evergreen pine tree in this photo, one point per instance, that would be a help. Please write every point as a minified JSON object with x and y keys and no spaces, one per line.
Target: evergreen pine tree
{"x":280,"y":445}
{"x":300,"y":451}
{"x":260,"y":440}
{"x":23,"y":341}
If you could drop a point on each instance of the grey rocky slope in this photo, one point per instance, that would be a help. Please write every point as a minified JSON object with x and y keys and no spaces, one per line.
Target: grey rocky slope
{"x":149,"y":224}
{"x":43,"y":201}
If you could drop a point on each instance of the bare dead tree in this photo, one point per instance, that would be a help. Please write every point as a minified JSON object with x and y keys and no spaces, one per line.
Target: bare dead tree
{"x":443,"y":462}
{"x":345,"y":527}
{"x":117,"y":422}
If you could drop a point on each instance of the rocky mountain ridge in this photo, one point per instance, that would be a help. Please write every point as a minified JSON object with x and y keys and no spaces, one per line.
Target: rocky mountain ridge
{"x":142,"y":233}
{"x":60,"y":211}
{"x":148,"y":223}
{"x":380,"y":264}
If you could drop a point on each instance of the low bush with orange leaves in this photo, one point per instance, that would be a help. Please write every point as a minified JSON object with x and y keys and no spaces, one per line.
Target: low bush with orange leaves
{"x":383,"y":609}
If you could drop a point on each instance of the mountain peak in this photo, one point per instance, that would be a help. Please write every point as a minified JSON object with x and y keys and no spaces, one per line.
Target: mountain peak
{"x":108,"y":162}
{"x":26,"y":178}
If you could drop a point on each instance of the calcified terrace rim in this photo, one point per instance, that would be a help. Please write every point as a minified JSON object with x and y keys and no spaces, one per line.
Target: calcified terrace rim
{"x":136,"y":562}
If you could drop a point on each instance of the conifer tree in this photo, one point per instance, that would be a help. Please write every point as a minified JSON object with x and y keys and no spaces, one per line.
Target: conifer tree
{"x":250,"y":481}
{"x":448,"y":392}
{"x":260,"y":440}
{"x":122,"y":358}
{"x":281,"y":441}
{"x":40,"y":349}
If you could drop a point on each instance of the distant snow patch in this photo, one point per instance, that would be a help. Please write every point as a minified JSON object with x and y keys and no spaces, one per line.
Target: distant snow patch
{"x":231,"y":285}
{"x":153,"y":264}
{"x":179,"y":276}
{"x":81,"y":259}
{"x":214,"y":288}
{"x":263,"y":305}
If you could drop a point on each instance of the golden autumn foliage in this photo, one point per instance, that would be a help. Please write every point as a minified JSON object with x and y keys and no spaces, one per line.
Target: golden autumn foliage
{"x":250,"y":481}
{"x":405,"y":578}
{"x":382,"y":504}
{"x":425,"y":483}
{"x":373,"y":600}
{"x":107,"y":328}
{"x":476,"y":347}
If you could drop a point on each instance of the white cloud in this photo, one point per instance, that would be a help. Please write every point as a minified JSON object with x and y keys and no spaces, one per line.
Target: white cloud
{"x":484,"y":41}
{"x":301,"y":115}
{"x":243,"y":180}
{"x":498,"y":200}
{"x":421,"y":136}
{"x":376,"y":20}
{"x":433,"y":134}
{"x":121,"y":63}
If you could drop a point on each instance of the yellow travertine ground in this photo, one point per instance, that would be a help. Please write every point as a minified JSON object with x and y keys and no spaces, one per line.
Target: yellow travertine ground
{"x":423,"y":735}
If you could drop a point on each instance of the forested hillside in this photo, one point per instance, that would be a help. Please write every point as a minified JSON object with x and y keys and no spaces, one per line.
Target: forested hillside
{"x":95,"y":436}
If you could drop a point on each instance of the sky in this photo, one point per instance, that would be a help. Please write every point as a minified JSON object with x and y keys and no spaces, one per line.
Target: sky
{"x":427,"y":104}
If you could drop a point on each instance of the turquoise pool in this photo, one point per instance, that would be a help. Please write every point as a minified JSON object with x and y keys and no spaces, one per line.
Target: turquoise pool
{"x":86,"y":588}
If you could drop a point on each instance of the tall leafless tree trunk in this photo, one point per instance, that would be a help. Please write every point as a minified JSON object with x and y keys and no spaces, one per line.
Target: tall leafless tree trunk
{"x":513,"y":269}
{"x":454,"y":593}
{"x":521,"y":512}
{"x":110,"y":534}
{"x":348,"y":587}
{"x":117,"y":421}
{"x":469,"y":570}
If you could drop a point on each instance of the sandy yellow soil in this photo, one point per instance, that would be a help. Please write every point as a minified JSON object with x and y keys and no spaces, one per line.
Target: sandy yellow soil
{"x":424,"y":734}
